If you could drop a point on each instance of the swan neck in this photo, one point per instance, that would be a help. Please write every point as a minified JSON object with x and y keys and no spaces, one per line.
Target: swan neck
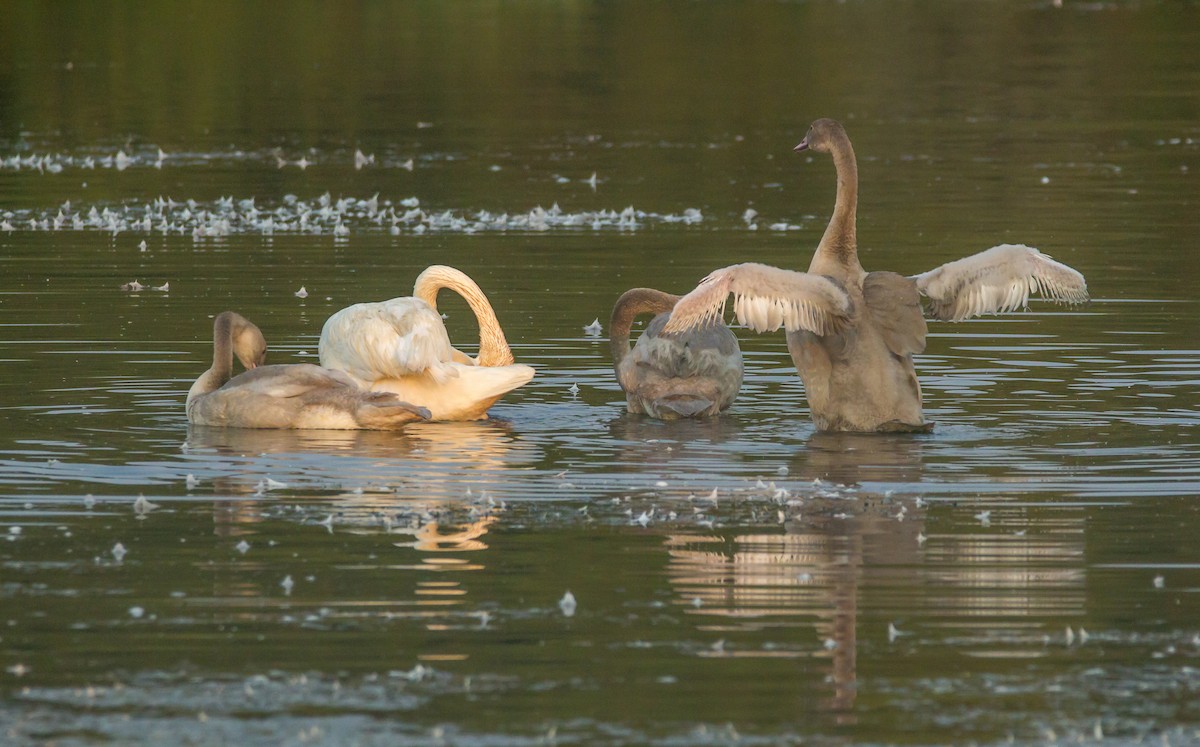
{"x":493,"y":346}
{"x":222,"y":366}
{"x":632,"y":304}
{"x":839,"y":244}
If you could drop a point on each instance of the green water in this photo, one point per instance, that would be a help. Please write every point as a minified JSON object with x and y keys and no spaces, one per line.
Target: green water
{"x":1028,"y":571}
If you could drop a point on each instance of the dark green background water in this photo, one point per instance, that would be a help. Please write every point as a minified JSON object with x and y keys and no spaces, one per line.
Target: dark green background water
{"x":1036,"y":554}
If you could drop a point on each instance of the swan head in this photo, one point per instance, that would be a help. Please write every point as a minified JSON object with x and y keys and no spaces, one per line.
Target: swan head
{"x":821,"y":136}
{"x":249,"y":345}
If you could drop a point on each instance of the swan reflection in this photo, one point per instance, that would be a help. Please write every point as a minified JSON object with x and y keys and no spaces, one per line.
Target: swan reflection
{"x":425,"y":459}
{"x":856,"y":458}
{"x":832,"y":578}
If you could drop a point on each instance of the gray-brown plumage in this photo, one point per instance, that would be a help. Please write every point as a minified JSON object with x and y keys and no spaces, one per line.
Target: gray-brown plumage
{"x":696,"y":373}
{"x":297,"y":395}
{"x":852,"y":334}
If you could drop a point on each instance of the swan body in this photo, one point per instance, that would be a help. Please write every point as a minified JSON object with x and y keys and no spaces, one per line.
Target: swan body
{"x":852,"y":334}
{"x":401,"y":346}
{"x":696,"y":373}
{"x":284,"y":396}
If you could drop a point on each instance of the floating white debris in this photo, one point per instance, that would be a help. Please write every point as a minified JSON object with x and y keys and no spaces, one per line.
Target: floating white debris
{"x":594,"y":329}
{"x":141,"y":506}
{"x":243,"y":547}
{"x":302,"y":293}
{"x":287,"y":583}
{"x":119,"y":552}
{"x":567,"y":604}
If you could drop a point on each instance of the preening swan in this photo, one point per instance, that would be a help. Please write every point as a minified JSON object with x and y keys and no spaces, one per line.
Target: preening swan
{"x":297,"y":395}
{"x":852,"y":334}
{"x":401,"y":346}
{"x":696,"y":373}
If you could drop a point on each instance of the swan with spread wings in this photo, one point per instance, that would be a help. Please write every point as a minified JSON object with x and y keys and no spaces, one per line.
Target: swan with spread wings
{"x":852,"y":333}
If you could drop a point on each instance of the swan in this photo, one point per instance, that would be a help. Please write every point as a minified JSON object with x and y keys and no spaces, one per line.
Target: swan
{"x":401,"y":346}
{"x":298,"y":395}
{"x":852,"y":334}
{"x":693,"y":374}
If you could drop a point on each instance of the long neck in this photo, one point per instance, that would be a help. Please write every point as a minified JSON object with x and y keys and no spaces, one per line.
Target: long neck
{"x":222,"y":367}
{"x":493,"y":347}
{"x":837,"y":254}
{"x":631,"y":305}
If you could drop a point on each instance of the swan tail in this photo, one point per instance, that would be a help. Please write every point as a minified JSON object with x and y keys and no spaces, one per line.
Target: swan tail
{"x":683,"y":406}
{"x":388,"y":413}
{"x":998,"y":280}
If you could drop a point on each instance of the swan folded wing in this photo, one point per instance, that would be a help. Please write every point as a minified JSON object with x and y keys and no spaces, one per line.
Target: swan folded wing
{"x":396,"y":338}
{"x":894,"y":305}
{"x":290,"y":380}
{"x":997,"y":280}
{"x":765,"y":298}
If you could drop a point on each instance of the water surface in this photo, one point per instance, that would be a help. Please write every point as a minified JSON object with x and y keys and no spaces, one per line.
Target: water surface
{"x":1026,"y":572}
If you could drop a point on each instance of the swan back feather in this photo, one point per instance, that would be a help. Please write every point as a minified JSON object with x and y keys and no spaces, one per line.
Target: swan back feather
{"x":389,"y":339}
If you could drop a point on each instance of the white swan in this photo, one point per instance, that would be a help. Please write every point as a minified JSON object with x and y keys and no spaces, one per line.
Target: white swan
{"x":297,"y":395}
{"x":852,"y":334}
{"x":401,"y":346}
{"x":693,"y":374}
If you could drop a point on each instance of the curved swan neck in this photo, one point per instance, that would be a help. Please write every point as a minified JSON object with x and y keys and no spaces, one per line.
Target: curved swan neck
{"x":222,"y":366}
{"x":632,"y":304}
{"x":493,"y":347}
{"x":838,"y":249}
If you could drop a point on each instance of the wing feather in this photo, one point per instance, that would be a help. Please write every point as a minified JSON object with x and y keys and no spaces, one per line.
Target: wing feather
{"x":390,"y":339}
{"x":765,"y":298}
{"x":997,"y":280}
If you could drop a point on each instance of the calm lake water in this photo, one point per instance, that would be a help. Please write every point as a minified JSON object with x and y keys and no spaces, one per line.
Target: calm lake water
{"x":1028,"y":572}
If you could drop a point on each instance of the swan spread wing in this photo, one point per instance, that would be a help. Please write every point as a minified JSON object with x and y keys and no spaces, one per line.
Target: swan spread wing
{"x":765,"y":298}
{"x":390,"y":339}
{"x":998,"y":280}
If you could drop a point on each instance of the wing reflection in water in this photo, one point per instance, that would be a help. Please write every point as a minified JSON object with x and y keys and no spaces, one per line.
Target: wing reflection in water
{"x":835,"y":578}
